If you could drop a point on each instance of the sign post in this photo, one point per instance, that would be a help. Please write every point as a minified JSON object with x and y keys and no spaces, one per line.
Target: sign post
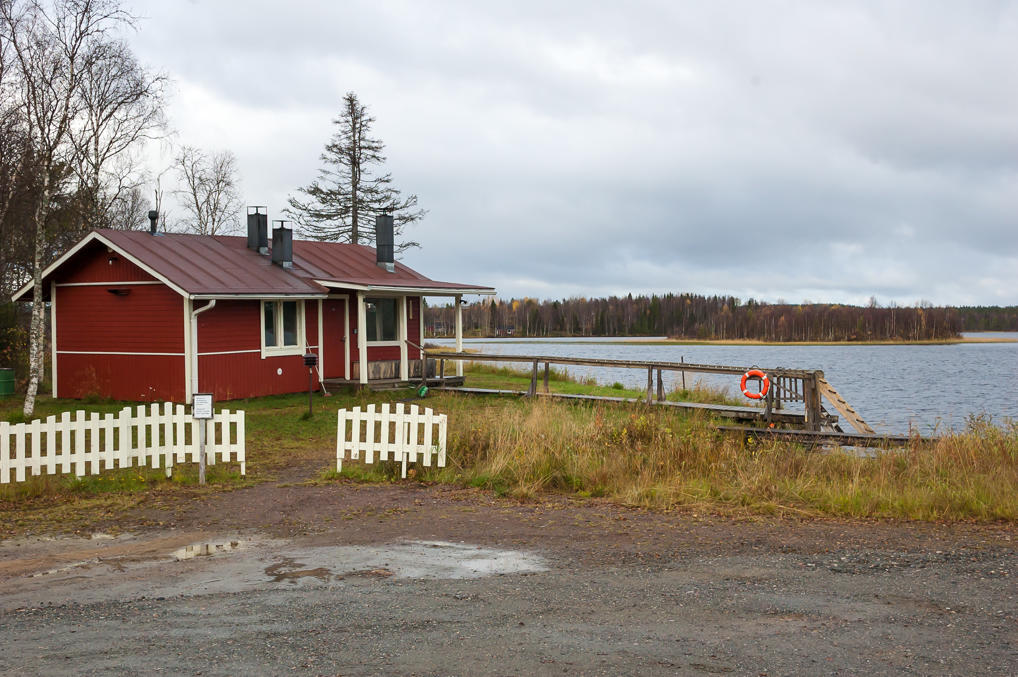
{"x":310,"y":361}
{"x":201,"y":410}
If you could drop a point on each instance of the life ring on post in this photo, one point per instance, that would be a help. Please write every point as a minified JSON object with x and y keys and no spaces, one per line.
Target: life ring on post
{"x":765,"y":384}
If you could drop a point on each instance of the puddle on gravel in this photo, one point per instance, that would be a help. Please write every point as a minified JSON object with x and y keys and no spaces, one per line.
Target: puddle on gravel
{"x":233,"y":565}
{"x":414,"y":559}
{"x":205,"y":549}
{"x":288,"y":569}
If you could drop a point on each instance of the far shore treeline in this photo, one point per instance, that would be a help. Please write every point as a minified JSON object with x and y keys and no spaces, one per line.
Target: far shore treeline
{"x":696,"y":317}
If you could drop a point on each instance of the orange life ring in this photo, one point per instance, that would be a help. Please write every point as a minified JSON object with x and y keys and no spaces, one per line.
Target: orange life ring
{"x":765,"y":384}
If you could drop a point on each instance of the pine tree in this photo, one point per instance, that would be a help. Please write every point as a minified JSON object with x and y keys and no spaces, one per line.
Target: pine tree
{"x":340,"y":205}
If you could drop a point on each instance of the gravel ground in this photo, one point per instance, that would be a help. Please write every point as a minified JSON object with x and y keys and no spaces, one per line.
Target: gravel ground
{"x":360,"y":580}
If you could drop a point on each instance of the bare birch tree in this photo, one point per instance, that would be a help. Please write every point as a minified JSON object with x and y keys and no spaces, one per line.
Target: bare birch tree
{"x":122,"y":104}
{"x":340,"y":205}
{"x":56,"y":49}
{"x":210,"y":194}
{"x":14,"y":156}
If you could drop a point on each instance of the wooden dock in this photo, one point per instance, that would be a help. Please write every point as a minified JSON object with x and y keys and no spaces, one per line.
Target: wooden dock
{"x":812,"y":425}
{"x":735,"y":412}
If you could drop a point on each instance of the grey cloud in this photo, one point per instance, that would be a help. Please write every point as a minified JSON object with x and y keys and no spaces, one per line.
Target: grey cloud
{"x":584,"y":148}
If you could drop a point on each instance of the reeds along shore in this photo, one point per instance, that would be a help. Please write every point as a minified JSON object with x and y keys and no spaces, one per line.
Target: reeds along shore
{"x":657,"y":458}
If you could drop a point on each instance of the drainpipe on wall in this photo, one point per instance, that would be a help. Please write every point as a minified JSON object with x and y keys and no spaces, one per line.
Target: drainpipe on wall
{"x":194,"y":343}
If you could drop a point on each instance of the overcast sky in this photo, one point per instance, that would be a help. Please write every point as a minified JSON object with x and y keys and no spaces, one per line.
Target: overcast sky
{"x":781,"y":150}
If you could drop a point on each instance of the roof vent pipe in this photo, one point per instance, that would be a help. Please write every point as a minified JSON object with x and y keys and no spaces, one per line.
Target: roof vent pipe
{"x":153,"y":221}
{"x":282,"y":245}
{"x":258,"y":229}
{"x":384,"y":242}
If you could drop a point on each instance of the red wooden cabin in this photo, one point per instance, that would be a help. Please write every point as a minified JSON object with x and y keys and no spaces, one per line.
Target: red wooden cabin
{"x":138,"y":315}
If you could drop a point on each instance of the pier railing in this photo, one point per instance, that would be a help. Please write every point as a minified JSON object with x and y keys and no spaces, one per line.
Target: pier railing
{"x":787,"y":385}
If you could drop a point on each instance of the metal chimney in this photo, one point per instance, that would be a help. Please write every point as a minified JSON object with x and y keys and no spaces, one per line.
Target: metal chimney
{"x":384,"y":243}
{"x":153,"y":221}
{"x":258,"y":229}
{"x":282,"y":245}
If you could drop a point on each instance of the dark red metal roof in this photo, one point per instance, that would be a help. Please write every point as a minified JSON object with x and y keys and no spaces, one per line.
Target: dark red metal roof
{"x":355,"y":264}
{"x":201,"y":265}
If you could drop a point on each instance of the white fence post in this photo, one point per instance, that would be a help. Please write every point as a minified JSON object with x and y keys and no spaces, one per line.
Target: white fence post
{"x":51,"y":445}
{"x":241,"y":448}
{"x":5,"y":452}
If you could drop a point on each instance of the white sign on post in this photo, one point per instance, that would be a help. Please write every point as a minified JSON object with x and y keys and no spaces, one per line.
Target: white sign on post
{"x":201,"y":409}
{"x":202,"y":405}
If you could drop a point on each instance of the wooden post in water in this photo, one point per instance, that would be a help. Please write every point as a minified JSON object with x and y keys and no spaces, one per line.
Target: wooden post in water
{"x":811,"y":399}
{"x":682,"y":358}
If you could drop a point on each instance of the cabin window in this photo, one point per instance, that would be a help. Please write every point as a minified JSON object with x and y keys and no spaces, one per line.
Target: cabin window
{"x":282,"y":327}
{"x":270,"y":325}
{"x":380,"y":318}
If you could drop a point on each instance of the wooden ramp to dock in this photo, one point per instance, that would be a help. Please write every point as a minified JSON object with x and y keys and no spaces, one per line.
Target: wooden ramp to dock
{"x":843,"y":407}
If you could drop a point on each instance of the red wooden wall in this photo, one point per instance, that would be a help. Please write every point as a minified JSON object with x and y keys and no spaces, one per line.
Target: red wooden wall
{"x":234,"y":327}
{"x":93,"y":326}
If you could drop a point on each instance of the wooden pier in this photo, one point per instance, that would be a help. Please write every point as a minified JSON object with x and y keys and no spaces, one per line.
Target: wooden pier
{"x":814,"y":423}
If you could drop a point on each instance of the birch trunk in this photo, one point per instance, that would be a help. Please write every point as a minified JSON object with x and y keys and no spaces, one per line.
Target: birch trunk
{"x":37,"y":333}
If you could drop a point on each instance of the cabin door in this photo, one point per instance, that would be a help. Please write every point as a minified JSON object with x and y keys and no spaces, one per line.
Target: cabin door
{"x":336,"y":336}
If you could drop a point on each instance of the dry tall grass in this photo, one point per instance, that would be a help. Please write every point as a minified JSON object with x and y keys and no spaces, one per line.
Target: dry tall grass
{"x":660,"y":458}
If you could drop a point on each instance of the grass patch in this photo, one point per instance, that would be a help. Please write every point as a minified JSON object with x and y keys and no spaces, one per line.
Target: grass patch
{"x":665,"y":459}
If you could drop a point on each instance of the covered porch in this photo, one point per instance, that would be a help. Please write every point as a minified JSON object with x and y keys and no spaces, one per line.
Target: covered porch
{"x":383,"y":337}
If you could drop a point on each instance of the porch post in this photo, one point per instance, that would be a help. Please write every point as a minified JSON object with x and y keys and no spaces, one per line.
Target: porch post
{"x":459,"y":332}
{"x":404,"y":358}
{"x":321,"y":344}
{"x":420,"y":336}
{"x":362,"y":339}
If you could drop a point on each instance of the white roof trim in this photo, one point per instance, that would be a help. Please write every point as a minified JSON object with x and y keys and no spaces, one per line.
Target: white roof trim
{"x":341,"y":285}
{"x":256,"y":297}
{"x":84,"y":241}
{"x":421,"y":290}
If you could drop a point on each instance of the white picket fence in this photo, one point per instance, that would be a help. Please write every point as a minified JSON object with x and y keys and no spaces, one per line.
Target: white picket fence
{"x":400,"y":435}
{"x":152,"y":435}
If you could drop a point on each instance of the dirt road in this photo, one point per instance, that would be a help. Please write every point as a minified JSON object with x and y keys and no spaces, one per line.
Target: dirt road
{"x":407,"y":579}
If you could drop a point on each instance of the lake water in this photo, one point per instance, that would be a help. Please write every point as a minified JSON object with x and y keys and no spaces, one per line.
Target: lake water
{"x":896,"y":388}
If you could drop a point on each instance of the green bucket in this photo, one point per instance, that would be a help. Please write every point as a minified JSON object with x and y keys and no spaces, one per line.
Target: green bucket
{"x":6,"y":381}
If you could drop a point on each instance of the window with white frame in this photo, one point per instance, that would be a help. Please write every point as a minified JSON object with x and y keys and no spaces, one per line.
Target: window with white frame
{"x":381,"y":319}
{"x":282,"y":327}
